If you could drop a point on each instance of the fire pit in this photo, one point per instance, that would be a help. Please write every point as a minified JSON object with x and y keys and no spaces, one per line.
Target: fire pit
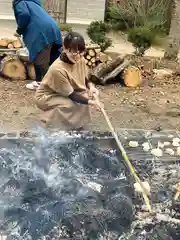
{"x":76,"y":186}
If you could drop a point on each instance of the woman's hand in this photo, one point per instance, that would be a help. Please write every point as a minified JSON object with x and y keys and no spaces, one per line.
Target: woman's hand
{"x":93,"y":91}
{"x":97,"y":104}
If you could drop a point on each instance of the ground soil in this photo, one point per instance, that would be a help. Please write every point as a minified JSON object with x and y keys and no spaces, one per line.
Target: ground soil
{"x":153,"y":106}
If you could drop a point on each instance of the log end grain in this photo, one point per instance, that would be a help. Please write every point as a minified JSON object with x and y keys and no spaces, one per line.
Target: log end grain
{"x":13,"y":68}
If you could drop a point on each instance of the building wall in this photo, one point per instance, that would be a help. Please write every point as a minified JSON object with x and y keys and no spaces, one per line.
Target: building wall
{"x":56,"y":8}
{"x":78,"y":11}
{"x":6,"y":11}
{"x":85,"y":11}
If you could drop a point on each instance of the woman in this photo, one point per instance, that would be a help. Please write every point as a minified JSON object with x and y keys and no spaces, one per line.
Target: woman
{"x":41,"y":35}
{"x":65,"y":93}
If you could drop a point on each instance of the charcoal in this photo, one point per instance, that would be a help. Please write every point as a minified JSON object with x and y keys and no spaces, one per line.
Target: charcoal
{"x":72,"y":185}
{"x":71,"y":188}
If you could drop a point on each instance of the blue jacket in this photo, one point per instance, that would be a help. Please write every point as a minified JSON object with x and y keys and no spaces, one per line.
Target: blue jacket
{"x":37,"y":27}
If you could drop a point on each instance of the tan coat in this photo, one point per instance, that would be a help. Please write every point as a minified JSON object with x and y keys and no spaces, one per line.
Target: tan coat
{"x":52,"y":95}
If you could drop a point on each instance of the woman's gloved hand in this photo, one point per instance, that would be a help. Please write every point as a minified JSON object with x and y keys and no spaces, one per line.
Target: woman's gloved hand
{"x":93,"y":91}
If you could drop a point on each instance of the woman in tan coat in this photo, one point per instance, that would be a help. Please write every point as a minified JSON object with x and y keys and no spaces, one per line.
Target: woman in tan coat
{"x":65,"y":93}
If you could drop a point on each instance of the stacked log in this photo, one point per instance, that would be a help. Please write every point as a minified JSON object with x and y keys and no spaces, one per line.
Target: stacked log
{"x":94,"y":56}
{"x":120,"y":68}
{"x":6,"y":43}
{"x":12,"y":66}
{"x":103,"y":68}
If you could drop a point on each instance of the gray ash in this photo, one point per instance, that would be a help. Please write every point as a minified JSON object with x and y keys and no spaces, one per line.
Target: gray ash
{"x":63,"y":190}
{"x":63,"y":187}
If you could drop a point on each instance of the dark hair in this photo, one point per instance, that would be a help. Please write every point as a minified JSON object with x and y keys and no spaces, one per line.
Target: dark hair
{"x":74,"y":41}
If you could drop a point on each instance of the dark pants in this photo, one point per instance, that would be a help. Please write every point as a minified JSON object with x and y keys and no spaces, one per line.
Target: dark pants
{"x":44,"y":59}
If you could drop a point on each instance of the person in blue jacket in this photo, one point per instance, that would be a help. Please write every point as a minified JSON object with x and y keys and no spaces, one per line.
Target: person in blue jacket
{"x":41,"y":35}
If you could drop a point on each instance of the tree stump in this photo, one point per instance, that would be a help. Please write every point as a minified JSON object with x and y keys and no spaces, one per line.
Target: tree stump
{"x":13,"y":68}
{"x":132,"y":77}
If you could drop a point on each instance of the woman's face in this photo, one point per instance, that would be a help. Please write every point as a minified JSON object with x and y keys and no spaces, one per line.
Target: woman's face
{"x":74,"y":56}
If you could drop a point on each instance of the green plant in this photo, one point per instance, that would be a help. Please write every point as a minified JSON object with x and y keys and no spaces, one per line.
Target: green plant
{"x":142,"y":38}
{"x":97,"y":31}
{"x":139,"y":13}
{"x":65,"y":27}
{"x":99,"y":26}
{"x":120,"y":18}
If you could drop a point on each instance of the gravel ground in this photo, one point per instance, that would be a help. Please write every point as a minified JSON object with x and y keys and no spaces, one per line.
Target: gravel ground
{"x":154,"y":106}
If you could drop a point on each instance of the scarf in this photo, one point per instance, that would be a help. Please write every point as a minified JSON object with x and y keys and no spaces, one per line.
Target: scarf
{"x":64,"y":58}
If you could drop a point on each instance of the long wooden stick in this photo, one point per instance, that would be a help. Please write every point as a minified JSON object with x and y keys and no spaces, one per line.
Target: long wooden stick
{"x":125,"y":156}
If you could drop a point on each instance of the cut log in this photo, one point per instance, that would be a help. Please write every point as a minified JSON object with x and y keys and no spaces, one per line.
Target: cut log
{"x":10,"y":46}
{"x":93,"y":60}
{"x":103,"y":57}
{"x":115,"y":72}
{"x":132,"y":77}
{"x":4,"y":43}
{"x":104,"y":68}
{"x":91,"y":52}
{"x":17,"y":43}
{"x":31,"y":72}
{"x":13,"y":68}
{"x":97,"y":50}
{"x":88,"y":57}
{"x":90,"y":63}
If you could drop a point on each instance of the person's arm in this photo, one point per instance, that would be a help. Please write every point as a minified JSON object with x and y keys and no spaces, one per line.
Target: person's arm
{"x":60,"y":84}
{"x":22,"y":17}
{"x":90,"y":85}
{"x":75,"y":97}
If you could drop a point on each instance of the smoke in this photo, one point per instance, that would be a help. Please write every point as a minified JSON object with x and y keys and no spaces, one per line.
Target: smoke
{"x":62,"y":184}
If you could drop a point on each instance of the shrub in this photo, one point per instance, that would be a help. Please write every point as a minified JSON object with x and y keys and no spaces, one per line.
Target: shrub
{"x":139,"y":13}
{"x":65,"y":27}
{"x":97,"y":32}
{"x":120,"y":18}
{"x":99,"y":26}
{"x":142,"y":38}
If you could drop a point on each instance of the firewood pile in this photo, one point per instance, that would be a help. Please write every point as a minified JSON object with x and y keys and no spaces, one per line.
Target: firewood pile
{"x":12,"y":66}
{"x":103,"y":69}
{"x":94,"y":56}
{"x":6,"y":43}
{"x":119,"y":69}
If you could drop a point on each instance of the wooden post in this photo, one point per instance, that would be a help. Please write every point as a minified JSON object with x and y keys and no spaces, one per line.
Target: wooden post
{"x":65,"y":11}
